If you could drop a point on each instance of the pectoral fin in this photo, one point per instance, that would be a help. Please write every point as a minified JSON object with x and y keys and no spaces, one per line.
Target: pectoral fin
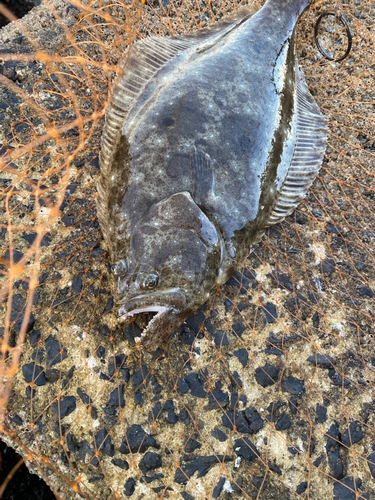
{"x":180,"y":210}
{"x":202,"y":176}
{"x":203,"y":185}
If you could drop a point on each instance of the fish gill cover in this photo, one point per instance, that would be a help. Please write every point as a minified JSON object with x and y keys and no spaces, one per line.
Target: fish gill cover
{"x":267,"y":391}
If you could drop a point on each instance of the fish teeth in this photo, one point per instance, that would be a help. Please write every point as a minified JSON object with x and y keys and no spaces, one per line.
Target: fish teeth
{"x":145,"y":331}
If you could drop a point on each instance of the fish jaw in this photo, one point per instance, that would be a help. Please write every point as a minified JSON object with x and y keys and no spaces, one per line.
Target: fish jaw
{"x":168,"y":318}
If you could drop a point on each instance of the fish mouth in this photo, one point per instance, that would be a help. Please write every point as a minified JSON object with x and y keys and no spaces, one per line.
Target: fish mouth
{"x":155,"y":315}
{"x":148,"y":318}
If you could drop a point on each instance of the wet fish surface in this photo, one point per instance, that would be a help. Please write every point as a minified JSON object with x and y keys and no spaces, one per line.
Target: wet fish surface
{"x":209,"y":140}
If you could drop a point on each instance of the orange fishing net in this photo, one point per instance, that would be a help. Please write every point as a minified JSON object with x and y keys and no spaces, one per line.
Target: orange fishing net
{"x":267,"y":391}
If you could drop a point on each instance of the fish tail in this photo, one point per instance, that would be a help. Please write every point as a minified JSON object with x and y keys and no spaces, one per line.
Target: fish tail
{"x":281,"y":16}
{"x":288,"y":9}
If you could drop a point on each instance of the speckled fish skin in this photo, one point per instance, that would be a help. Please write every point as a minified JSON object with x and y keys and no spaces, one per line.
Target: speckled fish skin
{"x":202,"y":151}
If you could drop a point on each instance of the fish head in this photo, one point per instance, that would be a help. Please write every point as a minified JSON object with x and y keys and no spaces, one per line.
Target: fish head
{"x":170,"y":268}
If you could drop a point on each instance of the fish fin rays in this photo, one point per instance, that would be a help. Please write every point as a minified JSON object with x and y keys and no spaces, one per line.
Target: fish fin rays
{"x":202,"y":176}
{"x":311,"y":131}
{"x":241,"y":14}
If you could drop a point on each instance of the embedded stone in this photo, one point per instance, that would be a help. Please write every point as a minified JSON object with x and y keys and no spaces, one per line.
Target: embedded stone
{"x":104,"y":443}
{"x":84,"y":397}
{"x":191,"y":445}
{"x":218,"y":488}
{"x":220,"y":435}
{"x":77,"y":284}
{"x":254,"y":419}
{"x":200,"y":464}
{"x":353,"y":434}
{"x":64,"y":406}
{"x":293,"y":385}
{"x":118,"y":363}
{"x":53,"y":351}
{"x":321,"y":412}
{"x":221,"y":338}
{"x":270,"y":312}
{"x":139,"y":377}
{"x":150,"y":461}
{"x":238,"y":327}
{"x":333,"y":446}
{"x":371,"y":463}
{"x":301,"y":488}
{"x":216,"y":399}
{"x":243,"y":356}
{"x":328,"y":266}
{"x":195,"y":385}
{"x":321,"y":360}
{"x":33,"y":373}
{"x":236,"y":418}
{"x":116,"y":397}
{"x":123,"y":464}
{"x":267,"y":375}
{"x":137,"y":441}
{"x":283,"y":423}
{"x":244,"y":448}
{"x":346,"y":489}
{"x":129,"y":487}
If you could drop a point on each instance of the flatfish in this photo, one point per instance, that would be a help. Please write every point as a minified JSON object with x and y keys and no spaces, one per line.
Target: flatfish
{"x":209,"y":139}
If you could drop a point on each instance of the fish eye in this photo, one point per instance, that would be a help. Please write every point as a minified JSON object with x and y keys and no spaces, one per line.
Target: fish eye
{"x":150,"y":281}
{"x":120,"y":268}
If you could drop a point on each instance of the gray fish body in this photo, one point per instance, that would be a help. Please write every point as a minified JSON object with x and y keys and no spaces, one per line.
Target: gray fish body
{"x":200,"y":156}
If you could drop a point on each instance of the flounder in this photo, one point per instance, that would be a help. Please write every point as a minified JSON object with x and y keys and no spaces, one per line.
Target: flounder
{"x":209,"y":139}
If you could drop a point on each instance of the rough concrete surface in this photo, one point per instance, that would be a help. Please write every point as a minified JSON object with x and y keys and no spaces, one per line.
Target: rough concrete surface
{"x":267,"y":392}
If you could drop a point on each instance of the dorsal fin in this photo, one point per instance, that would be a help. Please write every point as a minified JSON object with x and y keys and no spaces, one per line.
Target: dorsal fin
{"x":142,"y":62}
{"x":311,"y":130}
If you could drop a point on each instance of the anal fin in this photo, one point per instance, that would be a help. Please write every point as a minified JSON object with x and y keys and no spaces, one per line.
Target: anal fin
{"x":311,"y":138}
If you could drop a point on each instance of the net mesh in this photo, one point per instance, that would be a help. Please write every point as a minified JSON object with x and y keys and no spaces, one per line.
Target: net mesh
{"x":267,"y":391}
